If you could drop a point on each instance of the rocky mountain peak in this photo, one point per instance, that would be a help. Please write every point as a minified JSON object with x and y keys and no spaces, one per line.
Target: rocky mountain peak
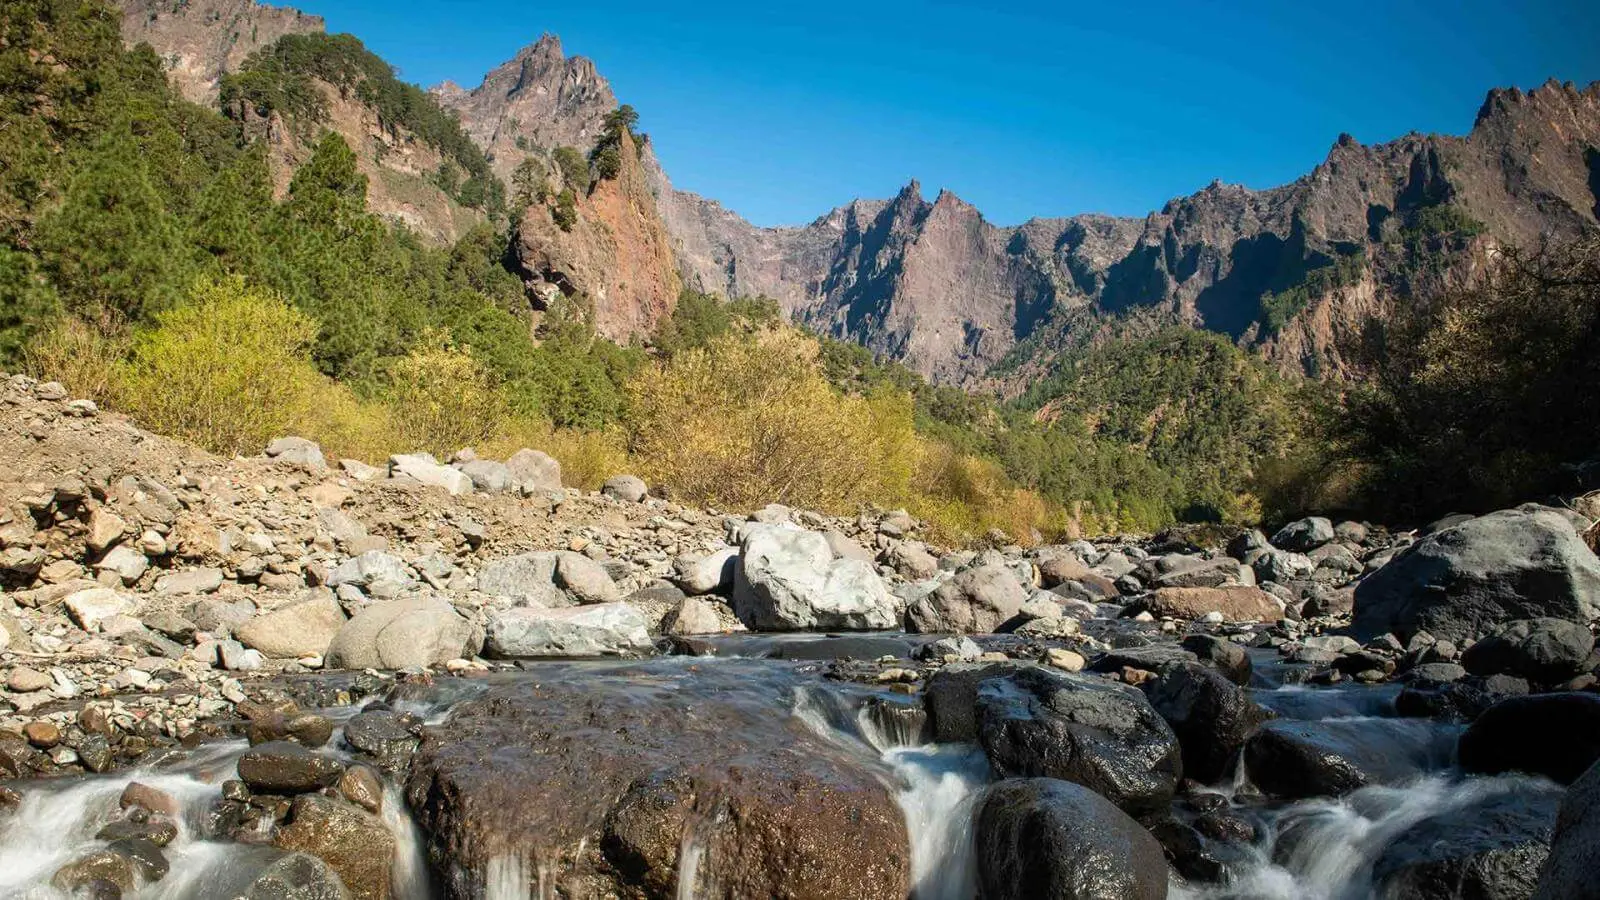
{"x":538,"y":100}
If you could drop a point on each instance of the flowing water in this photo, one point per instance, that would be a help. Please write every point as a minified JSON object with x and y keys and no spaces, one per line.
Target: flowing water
{"x":1317,"y":850}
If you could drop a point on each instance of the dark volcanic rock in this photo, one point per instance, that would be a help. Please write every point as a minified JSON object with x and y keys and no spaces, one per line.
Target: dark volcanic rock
{"x":1464,"y":580}
{"x":1211,"y":716}
{"x":1097,"y":733}
{"x":1293,"y":759}
{"x":279,"y":767}
{"x":1490,"y":848}
{"x":951,"y":698}
{"x":600,"y":773}
{"x":1554,"y":735}
{"x":383,"y":736}
{"x":1575,"y":847}
{"x":1228,"y":657}
{"x":1545,"y":651}
{"x":1044,"y":839}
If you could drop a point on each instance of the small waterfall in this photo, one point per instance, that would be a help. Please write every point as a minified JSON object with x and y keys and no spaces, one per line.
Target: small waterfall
{"x":1325,"y":849}
{"x":57,"y":823}
{"x":937,"y":788}
{"x":507,"y":877}
{"x":691,"y":851}
{"x":409,"y":880}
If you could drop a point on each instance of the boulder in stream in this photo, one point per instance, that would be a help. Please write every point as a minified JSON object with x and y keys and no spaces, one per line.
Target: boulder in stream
{"x":1037,"y":722}
{"x":1575,"y":846}
{"x":1045,"y":839}
{"x":1489,"y":848}
{"x":1554,"y":735}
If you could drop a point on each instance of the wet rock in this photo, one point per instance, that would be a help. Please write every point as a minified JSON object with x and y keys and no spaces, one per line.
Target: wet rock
{"x":1044,"y":839}
{"x":159,"y":831}
{"x":1226,"y":656}
{"x":1460,"y":582}
{"x":788,"y":580}
{"x":1491,"y":847}
{"x":385,"y":737}
{"x":1157,"y":658}
{"x":1039,"y":723}
{"x":1545,"y":651}
{"x":951,"y":698}
{"x":96,"y":866}
{"x":593,"y":762}
{"x":401,"y":634}
{"x":361,"y":786}
{"x":149,"y":863}
{"x":1237,"y":604}
{"x":354,"y":843}
{"x":977,"y":600}
{"x":300,"y":629}
{"x":1554,"y":735}
{"x":279,"y":767}
{"x":149,"y":798}
{"x":605,"y":629}
{"x":1211,"y":716}
{"x":1575,"y":844}
{"x":1293,"y":760}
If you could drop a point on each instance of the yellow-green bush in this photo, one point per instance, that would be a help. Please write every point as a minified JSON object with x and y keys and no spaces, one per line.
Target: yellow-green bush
{"x":228,"y":369}
{"x":749,"y":421}
{"x":963,"y":497}
{"x":441,"y":399}
{"x":81,"y":355}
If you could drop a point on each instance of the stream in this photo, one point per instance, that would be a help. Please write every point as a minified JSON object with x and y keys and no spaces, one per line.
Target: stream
{"x":767,"y":691}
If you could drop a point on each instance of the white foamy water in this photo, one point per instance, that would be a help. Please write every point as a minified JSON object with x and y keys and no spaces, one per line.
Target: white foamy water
{"x":937,"y":787}
{"x":57,"y":822}
{"x":1325,"y":849}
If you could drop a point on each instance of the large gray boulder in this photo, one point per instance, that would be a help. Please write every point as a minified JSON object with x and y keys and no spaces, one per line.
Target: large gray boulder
{"x":300,"y":629}
{"x":297,"y":450}
{"x":605,"y":629}
{"x":1462,"y":581}
{"x":1304,"y":535}
{"x":550,"y":578}
{"x":1544,"y":651}
{"x":712,"y":574}
{"x":535,"y":470}
{"x":1046,"y":839}
{"x":371,"y":567}
{"x":976,"y":600}
{"x":401,"y":634}
{"x":488,"y":476}
{"x":788,"y":580}
{"x":1575,"y":847}
{"x":628,"y":488}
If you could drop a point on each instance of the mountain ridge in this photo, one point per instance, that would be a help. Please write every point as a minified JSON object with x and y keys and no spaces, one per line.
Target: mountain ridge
{"x":935,"y":285}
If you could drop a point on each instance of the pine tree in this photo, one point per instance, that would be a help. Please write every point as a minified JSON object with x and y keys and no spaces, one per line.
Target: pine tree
{"x":112,"y":244}
{"x":229,"y":214}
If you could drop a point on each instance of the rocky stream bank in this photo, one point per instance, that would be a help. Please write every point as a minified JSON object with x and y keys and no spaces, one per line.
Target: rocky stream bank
{"x":298,"y":678}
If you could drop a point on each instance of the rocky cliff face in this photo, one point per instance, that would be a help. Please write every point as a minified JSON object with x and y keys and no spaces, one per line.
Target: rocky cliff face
{"x":202,"y":40}
{"x":950,"y":294}
{"x":533,"y":103}
{"x":616,"y":258}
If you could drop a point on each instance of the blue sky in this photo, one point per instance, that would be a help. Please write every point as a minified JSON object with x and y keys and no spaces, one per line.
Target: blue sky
{"x":1022,"y":108}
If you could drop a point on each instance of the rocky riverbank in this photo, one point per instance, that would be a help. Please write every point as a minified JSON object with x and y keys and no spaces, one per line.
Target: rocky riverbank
{"x":288,"y":676}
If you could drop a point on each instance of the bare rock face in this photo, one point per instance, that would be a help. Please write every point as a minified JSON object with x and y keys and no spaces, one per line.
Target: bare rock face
{"x":601,"y":782}
{"x":201,"y":40}
{"x":534,"y":102}
{"x":617,"y":255}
